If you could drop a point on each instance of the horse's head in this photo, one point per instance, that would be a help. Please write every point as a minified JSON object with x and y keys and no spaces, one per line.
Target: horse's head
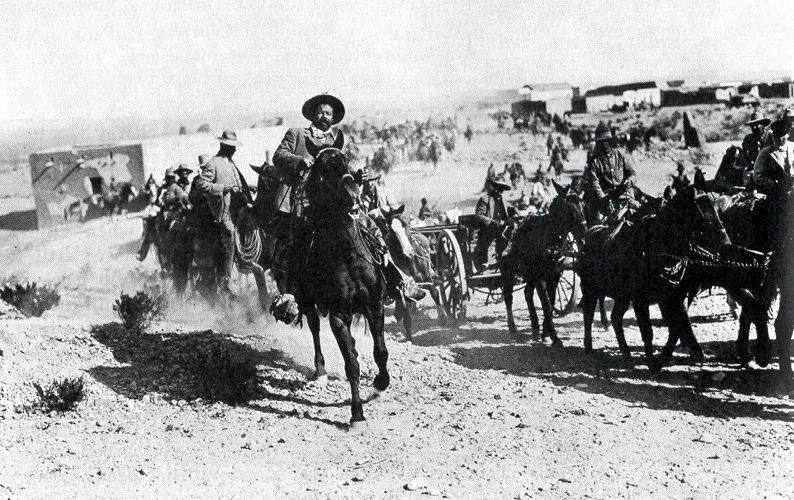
{"x":567,"y":211}
{"x":331,"y":185}
{"x":694,"y":219}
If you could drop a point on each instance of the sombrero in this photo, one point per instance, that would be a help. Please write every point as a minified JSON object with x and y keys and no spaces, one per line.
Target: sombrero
{"x":602,"y":132}
{"x":170,"y":172}
{"x":310,"y":106}
{"x":757,"y":119}
{"x":500,"y":182}
{"x":183,"y":168}
{"x":229,"y":137}
{"x":780,"y":128}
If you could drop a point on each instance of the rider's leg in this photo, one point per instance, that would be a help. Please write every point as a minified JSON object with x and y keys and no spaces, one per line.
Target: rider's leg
{"x":148,"y":228}
{"x":398,"y":284}
{"x":227,"y":231}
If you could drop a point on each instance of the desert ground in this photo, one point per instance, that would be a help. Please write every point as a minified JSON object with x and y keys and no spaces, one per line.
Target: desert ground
{"x":470,"y":414}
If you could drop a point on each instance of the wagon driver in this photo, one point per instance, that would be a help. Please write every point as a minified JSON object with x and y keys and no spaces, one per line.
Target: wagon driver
{"x":607,"y":176}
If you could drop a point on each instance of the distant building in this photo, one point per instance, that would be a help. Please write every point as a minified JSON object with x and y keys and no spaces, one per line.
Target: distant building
{"x":781,"y":89}
{"x":65,"y":176}
{"x":630,"y":95}
{"x":556,"y":97}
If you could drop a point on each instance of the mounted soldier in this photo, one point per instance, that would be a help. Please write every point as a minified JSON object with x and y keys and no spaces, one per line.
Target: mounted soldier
{"x":293,"y":161}
{"x":225,"y":191}
{"x":608,"y":177}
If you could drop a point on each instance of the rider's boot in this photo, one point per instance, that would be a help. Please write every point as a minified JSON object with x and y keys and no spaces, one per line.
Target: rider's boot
{"x":398,"y":284}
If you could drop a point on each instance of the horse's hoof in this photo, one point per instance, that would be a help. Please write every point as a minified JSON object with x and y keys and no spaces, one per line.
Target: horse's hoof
{"x":381,"y":383}
{"x":762,"y":356}
{"x":320,"y":380}
{"x":358,"y":426}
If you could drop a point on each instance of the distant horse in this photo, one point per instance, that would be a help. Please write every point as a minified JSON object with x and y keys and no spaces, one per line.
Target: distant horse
{"x":341,"y":275}
{"x":659,"y":259}
{"x":532,"y":254}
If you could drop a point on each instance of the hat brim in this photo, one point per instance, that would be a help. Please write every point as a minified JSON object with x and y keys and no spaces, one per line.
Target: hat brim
{"x":500,"y":184}
{"x":310,"y":106}
{"x":183,"y":170}
{"x":603,"y":138}
{"x":759,"y":121}
{"x":229,"y":142}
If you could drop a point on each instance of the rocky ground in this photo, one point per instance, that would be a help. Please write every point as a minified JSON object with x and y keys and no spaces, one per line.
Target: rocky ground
{"x":470,"y":413}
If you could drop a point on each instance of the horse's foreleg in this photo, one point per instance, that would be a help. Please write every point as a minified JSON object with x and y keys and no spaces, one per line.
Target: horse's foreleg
{"x":619,"y":309}
{"x":588,"y":312}
{"x":320,"y":375}
{"x":763,"y":353}
{"x":340,"y":324}
{"x":529,"y":297}
{"x":379,"y":351}
{"x":642,"y":313}
{"x":602,"y":309}
{"x":548,"y":313}
{"x":440,"y":312}
{"x":402,"y":312}
{"x":507,"y":294}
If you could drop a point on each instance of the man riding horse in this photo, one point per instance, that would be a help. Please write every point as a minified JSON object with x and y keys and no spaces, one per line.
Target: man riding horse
{"x":293,"y":160}
{"x":772,"y":175}
{"x":225,"y":191}
{"x":608,"y":177}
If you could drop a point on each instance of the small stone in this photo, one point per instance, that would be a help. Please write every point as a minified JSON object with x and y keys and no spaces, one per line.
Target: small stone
{"x":581,"y":386}
{"x":718,"y":377}
{"x":433,"y":492}
{"x":130,"y":404}
{"x":181,"y":403}
{"x":358,"y":477}
{"x":417,"y":483}
{"x":133,"y":386}
{"x":146,"y":399}
{"x":246,"y":445}
{"x":98,"y":423}
{"x":705,"y":438}
{"x":143,"y":472}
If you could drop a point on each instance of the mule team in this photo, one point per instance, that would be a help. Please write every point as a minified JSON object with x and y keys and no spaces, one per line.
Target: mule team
{"x":329,"y":257}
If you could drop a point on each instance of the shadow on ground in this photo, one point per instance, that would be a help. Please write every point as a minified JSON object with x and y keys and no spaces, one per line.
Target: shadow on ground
{"x":203,"y":365}
{"x":694,"y":389}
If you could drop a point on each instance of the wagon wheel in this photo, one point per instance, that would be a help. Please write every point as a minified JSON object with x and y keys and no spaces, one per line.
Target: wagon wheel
{"x":452,"y":274}
{"x":567,"y":292}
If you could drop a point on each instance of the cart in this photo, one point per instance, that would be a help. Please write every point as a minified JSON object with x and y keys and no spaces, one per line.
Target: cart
{"x":452,"y":248}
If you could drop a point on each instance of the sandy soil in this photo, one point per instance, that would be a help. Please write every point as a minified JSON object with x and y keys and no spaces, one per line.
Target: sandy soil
{"x":470,"y":414}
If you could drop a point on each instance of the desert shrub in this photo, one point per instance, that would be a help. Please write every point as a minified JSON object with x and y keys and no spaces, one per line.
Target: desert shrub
{"x":31,"y":299}
{"x":139,"y":311}
{"x":60,"y":395}
{"x":713,"y":136}
{"x":700,"y":156}
{"x":224,"y":378}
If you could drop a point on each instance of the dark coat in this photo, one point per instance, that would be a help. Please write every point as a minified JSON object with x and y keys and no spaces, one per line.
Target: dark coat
{"x":489,"y":212}
{"x":216,"y":175}
{"x":604,"y":173}
{"x":298,"y":143}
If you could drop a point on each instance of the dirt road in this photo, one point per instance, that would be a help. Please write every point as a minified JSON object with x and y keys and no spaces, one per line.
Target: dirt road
{"x":470,"y":414}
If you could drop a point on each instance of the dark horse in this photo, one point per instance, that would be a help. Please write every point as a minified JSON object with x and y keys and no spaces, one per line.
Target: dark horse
{"x":659,"y":260}
{"x":532,"y":254}
{"x":341,"y":276}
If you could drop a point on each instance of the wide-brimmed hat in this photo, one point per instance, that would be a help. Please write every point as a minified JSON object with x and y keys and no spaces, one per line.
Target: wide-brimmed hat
{"x":372,"y":176}
{"x":602,"y":132}
{"x":757,"y":119}
{"x":203,"y":159}
{"x":183,"y":168}
{"x":310,"y":106}
{"x":780,"y":128}
{"x":229,"y":137}
{"x":500,"y":182}
{"x":170,"y":172}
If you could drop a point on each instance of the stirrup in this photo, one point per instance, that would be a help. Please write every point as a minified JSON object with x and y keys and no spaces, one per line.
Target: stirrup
{"x":410,"y":291}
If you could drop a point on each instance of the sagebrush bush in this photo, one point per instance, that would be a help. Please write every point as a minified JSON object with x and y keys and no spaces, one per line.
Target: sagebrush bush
{"x":31,"y":299}
{"x":60,"y":395}
{"x":139,"y":311}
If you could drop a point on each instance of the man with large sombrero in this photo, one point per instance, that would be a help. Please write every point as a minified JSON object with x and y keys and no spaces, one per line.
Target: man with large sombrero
{"x":224,"y":190}
{"x":752,"y":142}
{"x":607,"y":176}
{"x":293,"y":160}
{"x":491,"y":218}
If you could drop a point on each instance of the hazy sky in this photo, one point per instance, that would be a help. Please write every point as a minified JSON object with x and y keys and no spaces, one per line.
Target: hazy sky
{"x":82,"y":59}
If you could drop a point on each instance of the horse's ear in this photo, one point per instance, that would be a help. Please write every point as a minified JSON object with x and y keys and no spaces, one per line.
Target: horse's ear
{"x":560,"y":189}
